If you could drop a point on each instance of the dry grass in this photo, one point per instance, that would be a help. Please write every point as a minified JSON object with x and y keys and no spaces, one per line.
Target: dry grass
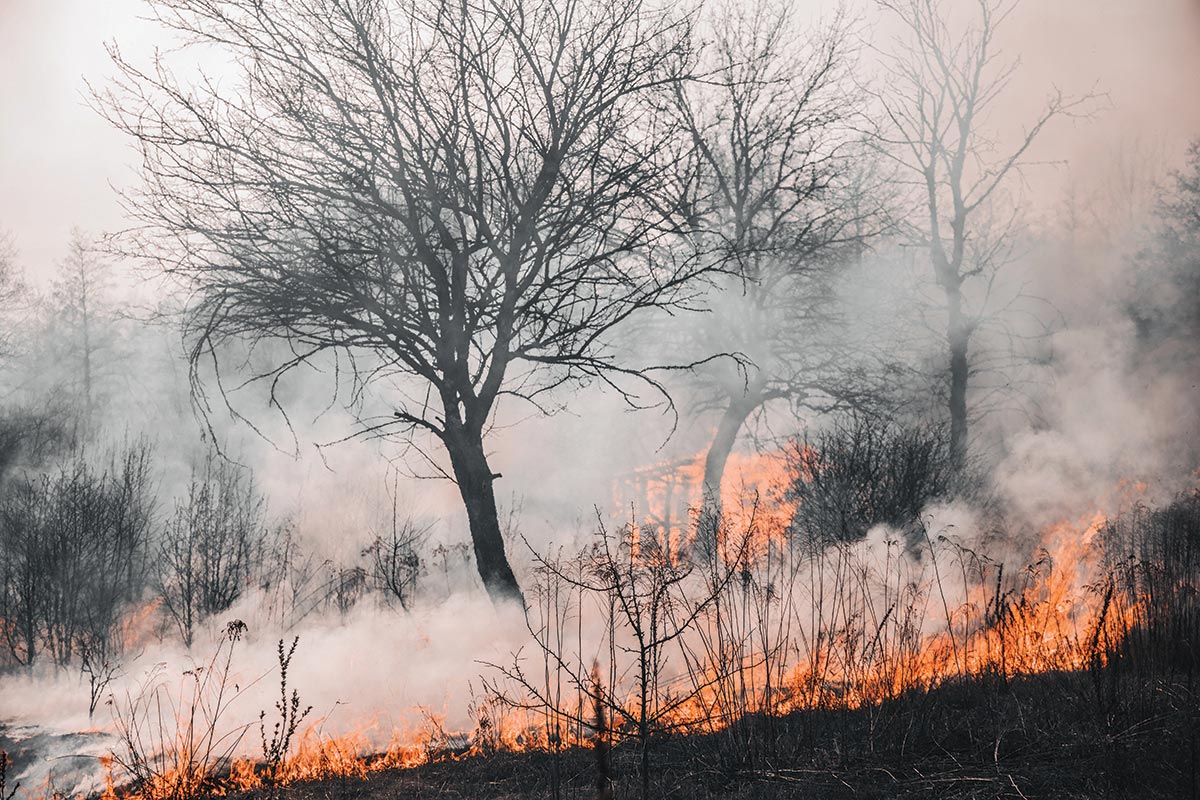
{"x":829,"y":672}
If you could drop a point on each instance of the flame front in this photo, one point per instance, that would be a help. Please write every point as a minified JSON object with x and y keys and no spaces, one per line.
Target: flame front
{"x":788,"y":626}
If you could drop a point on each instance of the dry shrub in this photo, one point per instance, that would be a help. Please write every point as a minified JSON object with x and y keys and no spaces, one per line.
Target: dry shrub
{"x":863,"y":471}
{"x":178,"y":745}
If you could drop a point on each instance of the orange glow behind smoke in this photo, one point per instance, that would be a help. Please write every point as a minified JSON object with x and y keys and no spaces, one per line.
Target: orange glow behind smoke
{"x":883,"y":618}
{"x":665,"y":497}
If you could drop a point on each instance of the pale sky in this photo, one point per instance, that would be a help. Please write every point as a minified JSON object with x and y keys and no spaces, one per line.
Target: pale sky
{"x":58,"y":158}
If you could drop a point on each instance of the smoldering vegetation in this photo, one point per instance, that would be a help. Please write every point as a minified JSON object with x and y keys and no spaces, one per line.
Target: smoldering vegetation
{"x":602,"y":400}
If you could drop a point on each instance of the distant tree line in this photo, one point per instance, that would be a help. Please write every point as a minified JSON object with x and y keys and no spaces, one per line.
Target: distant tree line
{"x":94,"y":566}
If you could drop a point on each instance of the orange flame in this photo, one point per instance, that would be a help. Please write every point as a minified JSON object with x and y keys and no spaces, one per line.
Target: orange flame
{"x":882,"y":618}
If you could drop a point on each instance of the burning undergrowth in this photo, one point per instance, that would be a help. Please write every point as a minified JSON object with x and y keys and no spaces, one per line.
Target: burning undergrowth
{"x":644,"y":637}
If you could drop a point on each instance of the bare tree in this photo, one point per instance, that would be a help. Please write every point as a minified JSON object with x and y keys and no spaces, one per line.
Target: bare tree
{"x":943,"y":84}
{"x":394,"y":559}
{"x":23,"y":568}
{"x":13,"y":294}
{"x":79,"y":299}
{"x":213,"y":547}
{"x":73,"y":559}
{"x":774,"y":207}
{"x":1163,"y":301}
{"x":646,"y":593}
{"x":458,"y":201}
{"x":60,"y":351}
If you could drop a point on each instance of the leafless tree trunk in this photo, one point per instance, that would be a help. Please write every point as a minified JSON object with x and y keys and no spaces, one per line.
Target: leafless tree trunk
{"x":475,"y":482}
{"x":79,"y":299}
{"x":937,"y":98}
{"x":772,"y":206}
{"x":715,"y":459}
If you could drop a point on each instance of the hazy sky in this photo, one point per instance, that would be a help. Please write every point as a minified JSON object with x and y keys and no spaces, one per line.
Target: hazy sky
{"x":58,"y":158}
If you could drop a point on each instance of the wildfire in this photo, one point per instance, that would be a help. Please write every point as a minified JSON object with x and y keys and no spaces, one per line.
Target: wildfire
{"x":668,"y":495}
{"x":853,"y":623}
{"x":1057,"y":613}
{"x":317,"y":755}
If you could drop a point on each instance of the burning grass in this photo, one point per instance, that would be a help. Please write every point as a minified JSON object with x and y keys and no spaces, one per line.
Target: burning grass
{"x":895,"y":665}
{"x":802,"y":635}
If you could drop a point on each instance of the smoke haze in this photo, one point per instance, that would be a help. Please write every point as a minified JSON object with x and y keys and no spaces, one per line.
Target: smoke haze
{"x":1096,"y":410}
